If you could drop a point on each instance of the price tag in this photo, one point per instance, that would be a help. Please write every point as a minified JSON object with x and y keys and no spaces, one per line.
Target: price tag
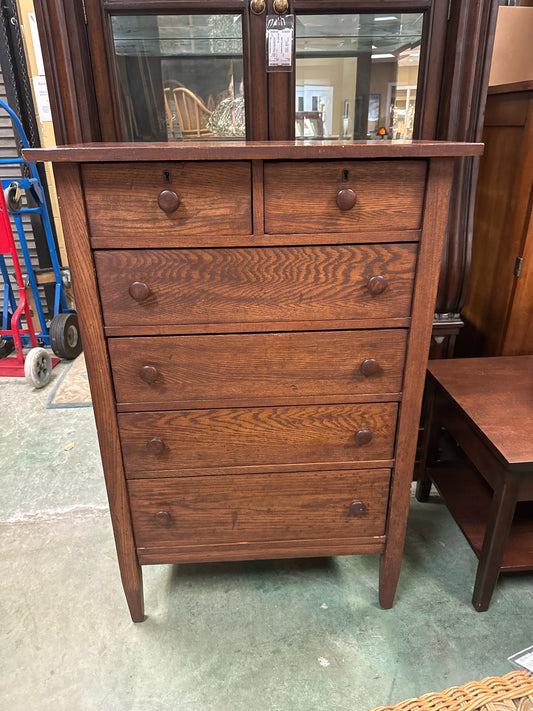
{"x":280,"y":42}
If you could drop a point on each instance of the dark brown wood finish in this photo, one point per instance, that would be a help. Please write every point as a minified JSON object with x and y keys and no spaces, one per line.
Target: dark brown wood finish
{"x":275,"y":368}
{"x":98,"y":369}
{"x":261,"y":285}
{"x":225,"y":440}
{"x":254,"y":407}
{"x":305,"y":197}
{"x":259,"y":508}
{"x":500,"y":321}
{"x":142,"y":198}
{"x":486,"y":405}
{"x":434,"y":225}
{"x":250,"y":150}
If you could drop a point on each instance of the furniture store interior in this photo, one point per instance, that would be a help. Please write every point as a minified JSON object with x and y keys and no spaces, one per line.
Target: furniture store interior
{"x":266,"y":355}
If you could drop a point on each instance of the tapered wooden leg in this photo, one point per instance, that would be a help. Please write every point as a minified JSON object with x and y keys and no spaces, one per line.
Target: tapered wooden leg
{"x":132,"y":582}
{"x":496,"y":534}
{"x":389,"y":574}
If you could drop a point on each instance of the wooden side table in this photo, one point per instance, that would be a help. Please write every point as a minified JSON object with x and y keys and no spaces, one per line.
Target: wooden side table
{"x":486,"y":405}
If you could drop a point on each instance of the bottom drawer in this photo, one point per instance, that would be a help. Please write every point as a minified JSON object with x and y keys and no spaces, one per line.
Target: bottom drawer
{"x":236,"y":509}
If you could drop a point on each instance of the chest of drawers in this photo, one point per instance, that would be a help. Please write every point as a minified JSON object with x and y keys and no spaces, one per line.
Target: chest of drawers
{"x":256,"y":321}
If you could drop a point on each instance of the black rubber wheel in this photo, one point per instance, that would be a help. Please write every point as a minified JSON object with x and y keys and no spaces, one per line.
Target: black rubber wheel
{"x":65,"y":338}
{"x":6,"y":346}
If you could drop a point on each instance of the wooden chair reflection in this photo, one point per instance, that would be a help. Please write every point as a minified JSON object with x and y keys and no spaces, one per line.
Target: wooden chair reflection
{"x":191,"y":113}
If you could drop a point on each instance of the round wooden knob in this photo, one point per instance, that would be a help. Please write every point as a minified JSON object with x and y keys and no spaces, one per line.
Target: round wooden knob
{"x":369,"y":367}
{"x":149,"y":373}
{"x":377,"y":285}
{"x":357,"y":508}
{"x":363,"y":436}
{"x":156,"y":445}
{"x":163,"y":518}
{"x":168,"y":201}
{"x":139,"y":291}
{"x":346,"y":199}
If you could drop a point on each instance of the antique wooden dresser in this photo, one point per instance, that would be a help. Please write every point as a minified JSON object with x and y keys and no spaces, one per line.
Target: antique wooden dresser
{"x":256,"y":319}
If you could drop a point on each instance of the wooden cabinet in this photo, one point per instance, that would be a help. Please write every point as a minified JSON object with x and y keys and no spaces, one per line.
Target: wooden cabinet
{"x":125,"y":70}
{"x":256,"y":369}
{"x":499,"y":310}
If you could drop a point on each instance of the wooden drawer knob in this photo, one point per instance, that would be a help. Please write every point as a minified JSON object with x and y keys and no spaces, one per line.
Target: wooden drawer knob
{"x":363,"y":437}
{"x":369,"y":367}
{"x":156,"y":445}
{"x":139,"y":291}
{"x":346,"y":199}
{"x":149,"y":373}
{"x":377,"y":285}
{"x":168,"y":201}
{"x":163,"y":518}
{"x":357,"y":508}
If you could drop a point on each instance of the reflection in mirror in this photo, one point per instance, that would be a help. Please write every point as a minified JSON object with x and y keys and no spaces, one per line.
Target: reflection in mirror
{"x":357,"y":75}
{"x":180,"y":76}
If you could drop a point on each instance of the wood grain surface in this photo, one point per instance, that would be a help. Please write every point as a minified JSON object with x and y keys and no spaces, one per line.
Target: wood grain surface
{"x":122,"y":199}
{"x":303,"y":196}
{"x":262,"y":507}
{"x":195,"y":370}
{"x":497,"y":395}
{"x":216,"y":439}
{"x":251,"y":150}
{"x":255,"y":285}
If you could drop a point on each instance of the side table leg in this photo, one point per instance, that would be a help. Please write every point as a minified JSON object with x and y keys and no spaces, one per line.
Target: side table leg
{"x":430,"y":442}
{"x":496,"y":534}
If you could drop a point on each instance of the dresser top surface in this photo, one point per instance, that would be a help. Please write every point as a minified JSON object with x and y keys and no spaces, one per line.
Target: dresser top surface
{"x":250,"y":150}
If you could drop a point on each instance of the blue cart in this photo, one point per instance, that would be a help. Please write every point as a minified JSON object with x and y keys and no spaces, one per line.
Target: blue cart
{"x":62,"y":334}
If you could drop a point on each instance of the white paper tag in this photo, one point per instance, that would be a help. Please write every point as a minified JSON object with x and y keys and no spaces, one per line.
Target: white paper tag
{"x":523,"y":659}
{"x":41,"y":98}
{"x":280,"y":48}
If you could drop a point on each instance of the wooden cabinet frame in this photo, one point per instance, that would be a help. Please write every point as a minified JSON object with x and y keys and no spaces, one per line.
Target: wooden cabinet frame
{"x":453,"y":79}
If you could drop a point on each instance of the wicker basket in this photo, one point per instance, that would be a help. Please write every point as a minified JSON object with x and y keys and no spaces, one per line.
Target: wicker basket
{"x":512,"y":692}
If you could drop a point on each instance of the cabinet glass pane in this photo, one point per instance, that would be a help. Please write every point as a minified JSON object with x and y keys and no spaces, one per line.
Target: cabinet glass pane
{"x":180,"y":76}
{"x":357,"y":74}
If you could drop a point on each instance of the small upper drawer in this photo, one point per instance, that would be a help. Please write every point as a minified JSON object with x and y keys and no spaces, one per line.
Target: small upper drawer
{"x":215,"y":441}
{"x":212,"y":287}
{"x":166,"y":199}
{"x":343,"y":196}
{"x":179,"y":371}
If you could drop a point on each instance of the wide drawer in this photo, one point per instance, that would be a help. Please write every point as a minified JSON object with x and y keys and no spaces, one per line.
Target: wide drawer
{"x":130,"y":199}
{"x":246,"y":286}
{"x":177,"y":371}
{"x":243,"y":439}
{"x":309,"y":196}
{"x":263,"y":507}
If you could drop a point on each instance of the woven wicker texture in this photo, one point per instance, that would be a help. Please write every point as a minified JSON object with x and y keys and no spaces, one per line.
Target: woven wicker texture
{"x":511,"y":692}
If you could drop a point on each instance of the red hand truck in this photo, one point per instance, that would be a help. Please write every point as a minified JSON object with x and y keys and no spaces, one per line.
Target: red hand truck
{"x":37,"y":366}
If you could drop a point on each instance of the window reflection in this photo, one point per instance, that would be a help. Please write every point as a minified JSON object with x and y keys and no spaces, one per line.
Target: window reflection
{"x":357,"y":74}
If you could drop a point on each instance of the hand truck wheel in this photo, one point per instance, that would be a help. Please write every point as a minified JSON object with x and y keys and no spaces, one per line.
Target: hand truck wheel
{"x":38,"y":367}
{"x":65,"y":338}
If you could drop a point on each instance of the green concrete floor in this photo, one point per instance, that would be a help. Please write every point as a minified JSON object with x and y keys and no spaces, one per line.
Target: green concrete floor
{"x":253,"y":636}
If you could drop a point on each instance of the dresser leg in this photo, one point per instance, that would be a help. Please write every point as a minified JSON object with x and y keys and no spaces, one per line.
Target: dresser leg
{"x":132,"y":582}
{"x":389,"y":574}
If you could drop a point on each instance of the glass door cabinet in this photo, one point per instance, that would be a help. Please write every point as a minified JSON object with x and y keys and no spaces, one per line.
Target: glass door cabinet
{"x":194,"y":70}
